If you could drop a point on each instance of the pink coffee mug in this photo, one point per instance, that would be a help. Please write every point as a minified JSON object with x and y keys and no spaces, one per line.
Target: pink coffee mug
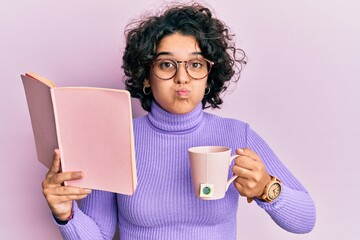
{"x":209,"y":171}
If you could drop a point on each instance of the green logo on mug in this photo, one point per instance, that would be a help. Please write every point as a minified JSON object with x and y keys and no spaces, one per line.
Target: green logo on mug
{"x":206,"y":190}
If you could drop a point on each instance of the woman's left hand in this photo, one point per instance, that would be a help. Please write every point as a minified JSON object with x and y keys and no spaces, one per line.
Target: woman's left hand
{"x":252,"y":175}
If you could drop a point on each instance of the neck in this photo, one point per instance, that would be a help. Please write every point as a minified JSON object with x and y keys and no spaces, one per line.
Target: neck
{"x":165,"y":121}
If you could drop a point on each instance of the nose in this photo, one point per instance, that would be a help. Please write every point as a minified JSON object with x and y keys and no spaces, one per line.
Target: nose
{"x":181,"y":74}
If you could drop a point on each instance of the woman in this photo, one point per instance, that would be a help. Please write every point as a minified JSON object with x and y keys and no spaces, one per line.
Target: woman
{"x":177,"y":64}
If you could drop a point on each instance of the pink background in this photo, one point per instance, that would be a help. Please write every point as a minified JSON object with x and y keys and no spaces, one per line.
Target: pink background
{"x":300,"y":92}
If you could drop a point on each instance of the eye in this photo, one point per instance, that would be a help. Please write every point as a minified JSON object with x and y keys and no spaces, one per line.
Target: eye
{"x":166,"y":65}
{"x":196,"y":64}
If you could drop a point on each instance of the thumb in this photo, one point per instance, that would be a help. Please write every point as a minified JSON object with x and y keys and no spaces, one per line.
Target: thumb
{"x":56,"y":165}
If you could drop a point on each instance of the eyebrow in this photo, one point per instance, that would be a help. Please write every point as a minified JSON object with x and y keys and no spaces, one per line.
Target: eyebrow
{"x":172,"y":54}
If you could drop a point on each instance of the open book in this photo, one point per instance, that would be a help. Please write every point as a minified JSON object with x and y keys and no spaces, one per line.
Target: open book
{"x":92,"y":127}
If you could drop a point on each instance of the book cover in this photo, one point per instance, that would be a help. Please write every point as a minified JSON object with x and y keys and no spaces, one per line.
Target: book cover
{"x":92,"y":127}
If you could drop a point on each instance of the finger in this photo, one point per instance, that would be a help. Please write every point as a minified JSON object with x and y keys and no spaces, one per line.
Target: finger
{"x":66,"y":176}
{"x":243,"y":188}
{"x":245,"y":162}
{"x":69,"y":190}
{"x":55,"y":166}
{"x":242,"y":181}
{"x":66,"y":198}
{"x":247,"y":152}
{"x":239,"y":187}
{"x":241,"y":173}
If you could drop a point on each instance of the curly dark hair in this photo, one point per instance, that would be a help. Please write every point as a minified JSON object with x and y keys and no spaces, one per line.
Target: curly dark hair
{"x":212,"y":35}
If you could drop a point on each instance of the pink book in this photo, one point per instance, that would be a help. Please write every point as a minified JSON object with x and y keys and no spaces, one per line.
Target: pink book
{"x":92,"y":127}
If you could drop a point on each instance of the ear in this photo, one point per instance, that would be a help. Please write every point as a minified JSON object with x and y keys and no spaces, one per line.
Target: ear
{"x":147,"y":82}
{"x":208,"y":85}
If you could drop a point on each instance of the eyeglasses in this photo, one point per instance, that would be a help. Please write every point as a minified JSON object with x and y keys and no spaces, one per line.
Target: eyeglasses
{"x":196,"y":68}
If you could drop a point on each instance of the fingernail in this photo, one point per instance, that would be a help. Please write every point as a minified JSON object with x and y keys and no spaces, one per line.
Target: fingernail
{"x":87,"y":190}
{"x":241,"y":150}
{"x":79,"y":174}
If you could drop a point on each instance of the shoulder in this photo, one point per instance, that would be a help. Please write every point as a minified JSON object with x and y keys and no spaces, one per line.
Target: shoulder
{"x":225,"y":125}
{"x":224,"y":121}
{"x":140,"y":119}
{"x":140,"y":122}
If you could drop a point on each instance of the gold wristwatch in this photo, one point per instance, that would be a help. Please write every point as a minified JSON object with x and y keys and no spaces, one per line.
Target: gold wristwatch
{"x":272,"y":190}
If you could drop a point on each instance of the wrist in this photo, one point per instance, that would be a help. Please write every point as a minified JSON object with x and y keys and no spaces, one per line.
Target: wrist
{"x":62,"y":220}
{"x":64,"y":217}
{"x":267,"y":180}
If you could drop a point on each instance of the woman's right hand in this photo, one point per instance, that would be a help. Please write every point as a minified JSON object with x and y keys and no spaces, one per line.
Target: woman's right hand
{"x":59,"y":197}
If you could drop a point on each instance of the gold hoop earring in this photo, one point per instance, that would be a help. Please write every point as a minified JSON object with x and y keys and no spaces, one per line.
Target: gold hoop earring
{"x":145,"y":92}
{"x":208,"y":91}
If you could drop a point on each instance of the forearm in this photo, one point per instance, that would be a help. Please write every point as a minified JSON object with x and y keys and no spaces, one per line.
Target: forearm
{"x":293,"y":211}
{"x":95,"y":219}
{"x":80,"y":226}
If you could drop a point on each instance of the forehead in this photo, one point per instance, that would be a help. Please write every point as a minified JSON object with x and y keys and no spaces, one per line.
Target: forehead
{"x":178,"y":45}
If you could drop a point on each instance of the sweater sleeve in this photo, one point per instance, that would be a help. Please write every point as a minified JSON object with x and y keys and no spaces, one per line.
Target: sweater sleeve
{"x":96,"y":218}
{"x":294,"y":210}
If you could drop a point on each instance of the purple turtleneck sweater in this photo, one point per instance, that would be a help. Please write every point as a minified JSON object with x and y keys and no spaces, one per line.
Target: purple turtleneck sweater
{"x":164,"y":206}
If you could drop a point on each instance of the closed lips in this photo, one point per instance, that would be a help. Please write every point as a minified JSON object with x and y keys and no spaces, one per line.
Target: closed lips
{"x":183,"y":91}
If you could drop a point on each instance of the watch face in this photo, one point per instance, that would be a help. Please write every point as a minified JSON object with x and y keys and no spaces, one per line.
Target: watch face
{"x":274,"y":191}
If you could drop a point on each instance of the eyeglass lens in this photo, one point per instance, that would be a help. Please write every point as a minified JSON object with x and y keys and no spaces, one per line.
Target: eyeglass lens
{"x":195,"y":68}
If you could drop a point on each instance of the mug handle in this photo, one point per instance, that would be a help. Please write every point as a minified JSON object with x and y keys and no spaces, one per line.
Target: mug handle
{"x":249,"y":199}
{"x":233,"y":177}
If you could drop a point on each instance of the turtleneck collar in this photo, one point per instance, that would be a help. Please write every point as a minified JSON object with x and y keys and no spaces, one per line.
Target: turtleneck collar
{"x":165,"y":121}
